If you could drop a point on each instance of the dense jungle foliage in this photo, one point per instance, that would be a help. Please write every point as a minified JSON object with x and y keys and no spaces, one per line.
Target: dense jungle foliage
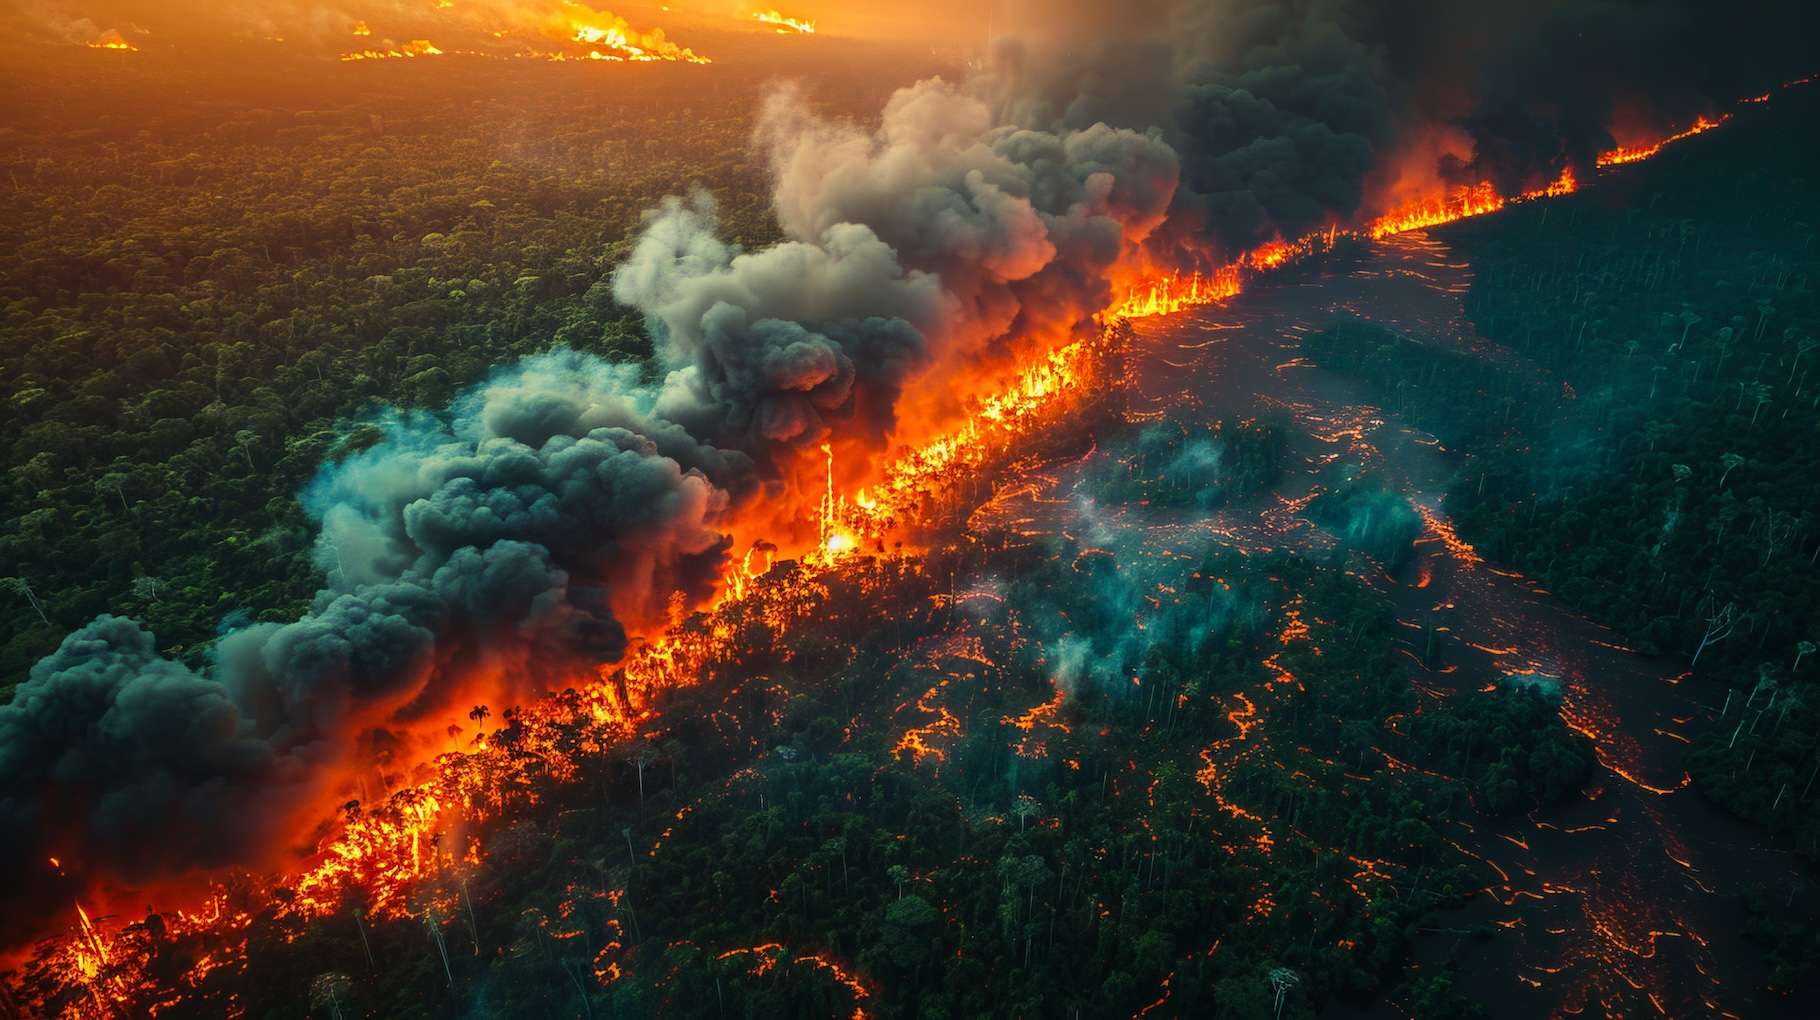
{"x":1645,"y":440}
{"x":782,"y":833}
{"x":204,"y":299}
{"x":210,"y":279}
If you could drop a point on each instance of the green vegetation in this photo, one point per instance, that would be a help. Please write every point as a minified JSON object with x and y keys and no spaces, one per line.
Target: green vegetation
{"x":1648,"y":444}
{"x":1456,"y":395}
{"x":1366,"y":514}
{"x":199,"y":300}
{"x":1125,"y":844}
{"x":1190,"y":464}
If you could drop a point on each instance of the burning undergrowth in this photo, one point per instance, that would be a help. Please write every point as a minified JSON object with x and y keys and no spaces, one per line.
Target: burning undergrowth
{"x":808,"y":748}
{"x":504,"y":549}
{"x":941,"y":291}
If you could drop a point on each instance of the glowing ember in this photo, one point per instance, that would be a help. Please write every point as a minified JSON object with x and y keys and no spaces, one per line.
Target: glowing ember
{"x":414,"y":48}
{"x":113,"y":40}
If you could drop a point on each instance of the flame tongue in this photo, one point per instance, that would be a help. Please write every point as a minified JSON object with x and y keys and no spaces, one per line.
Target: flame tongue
{"x":784,"y":25}
{"x":414,"y":48}
{"x":1172,"y":291}
{"x":113,"y":40}
{"x":1622,"y":155}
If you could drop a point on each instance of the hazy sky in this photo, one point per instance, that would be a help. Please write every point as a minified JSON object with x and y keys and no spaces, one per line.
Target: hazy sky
{"x":77,"y":21}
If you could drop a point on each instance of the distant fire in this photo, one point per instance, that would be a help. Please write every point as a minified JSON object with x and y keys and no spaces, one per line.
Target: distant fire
{"x":113,"y":40}
{"x":565,"y":31}
{"x":785,"y":25}
{"x":1172,"y":291}
{"x":414,"y":48}
{"x":607,"y":37}
{"x":1622,"y":155}
{"x":387,"y":850}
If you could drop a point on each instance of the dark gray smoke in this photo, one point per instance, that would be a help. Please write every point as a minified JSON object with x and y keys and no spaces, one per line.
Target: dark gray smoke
{"x":501,"y":553}
{"x":918,"y":252}
{"x":495,"y":556}
{"x":1291,"y":114}
{"x":506,"y":550}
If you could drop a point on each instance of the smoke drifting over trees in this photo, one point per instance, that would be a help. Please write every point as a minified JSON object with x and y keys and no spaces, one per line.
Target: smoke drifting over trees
{"x":505,"y":551}
{"x":1288,"y":116}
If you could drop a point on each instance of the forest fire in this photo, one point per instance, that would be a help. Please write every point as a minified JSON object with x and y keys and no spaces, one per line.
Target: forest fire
{"x":561,"y":33}
{"x":1632,"y":154}
{"x":610,"y":38}
{"x":1461,"y":203}
{"x":400,"y":51}
{"x":113,"y":40}
{"x":405,"y":855}
{"x":1172,"y":291}
{"x":398,"y":856}
{"x":388,"y":856}
{"x":784,"y":25}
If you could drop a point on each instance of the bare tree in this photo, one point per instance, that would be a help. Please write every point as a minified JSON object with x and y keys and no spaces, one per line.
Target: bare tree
{"x":245,"y":439}
{"x":1731,"y":462}
{"x":1025,"y":807}
{"x":1283,"y":981}
{"x":328,"y":990}
{"x":1719,"y":626}
{"x":24,"y":587}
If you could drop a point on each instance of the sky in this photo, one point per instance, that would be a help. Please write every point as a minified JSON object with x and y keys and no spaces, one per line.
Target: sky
{"x":144,"y":22}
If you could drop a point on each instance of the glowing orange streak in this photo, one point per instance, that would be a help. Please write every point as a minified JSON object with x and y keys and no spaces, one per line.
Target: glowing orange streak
{"x":383,"y":852}
{"x":784,"y":25}
{"x":414,"y":48}
{"x":1171,"y":292}
{"x":1622,"y":155}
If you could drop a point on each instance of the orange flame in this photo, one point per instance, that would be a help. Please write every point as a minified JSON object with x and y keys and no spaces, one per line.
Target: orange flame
{"x":414,"y":48}
{"x":604,"y":35}
{"x":785,"y":25}
{"x":113,"y":40}
{"x":1622,"y":155}
{"x":391,"y":850}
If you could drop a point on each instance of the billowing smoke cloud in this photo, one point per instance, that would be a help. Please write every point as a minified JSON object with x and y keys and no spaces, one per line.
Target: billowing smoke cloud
{"x":767,"y":351}
{"x":504,"y":552}
{"x":919,"y":255}
{"x":1289,"y":116}
{"x":507,"y":550}
{"x":492,"y":557}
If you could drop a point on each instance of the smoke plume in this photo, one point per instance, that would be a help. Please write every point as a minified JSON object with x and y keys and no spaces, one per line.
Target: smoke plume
{"x":506,"y":548}
{"x":1288,"y":116}
{"x":505,"y":553}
